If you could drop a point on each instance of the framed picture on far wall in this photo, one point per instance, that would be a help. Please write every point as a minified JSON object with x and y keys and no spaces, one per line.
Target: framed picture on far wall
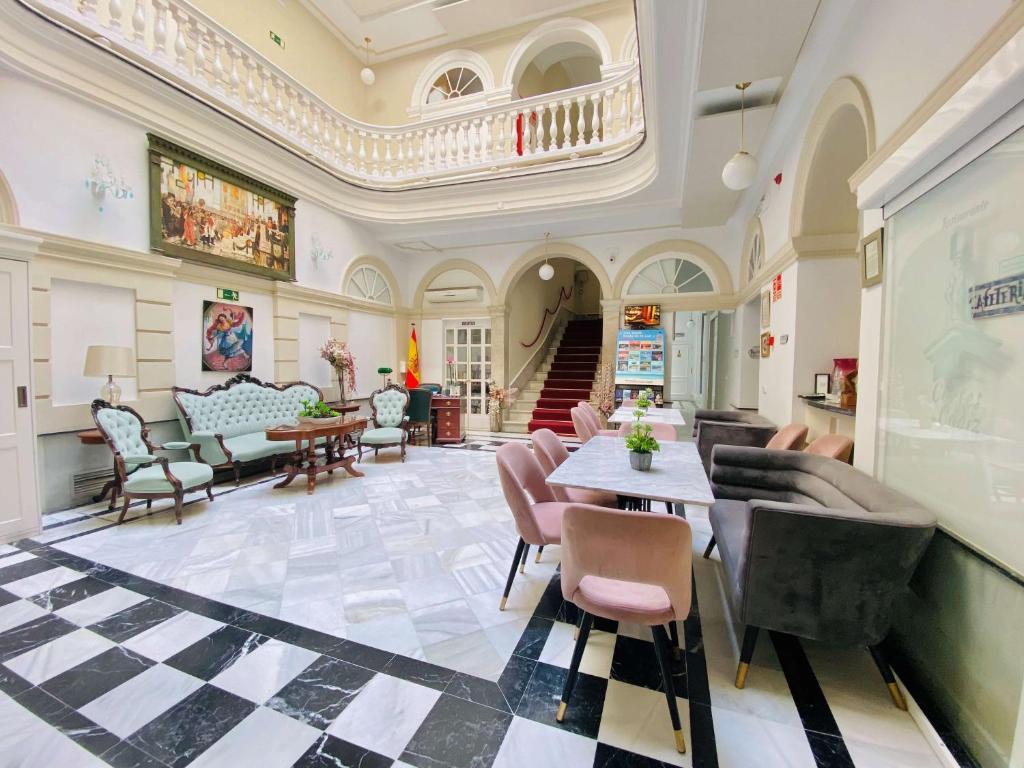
{"x":822,"y":383}
{"x":227,"y":337}
{"x":202,"y":211}
{"x":766,"y":344}
{"x":871,"y":259}
{"x":766,"y":308}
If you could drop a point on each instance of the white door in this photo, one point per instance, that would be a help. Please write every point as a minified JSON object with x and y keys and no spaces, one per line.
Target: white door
{"x":19,"y":515}
{"x":468,"y":344}
{"x":681,"y":371}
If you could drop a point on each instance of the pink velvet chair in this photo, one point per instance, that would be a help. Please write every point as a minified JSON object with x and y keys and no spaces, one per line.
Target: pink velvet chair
{"x":537,"y":513}
{"x":627,"y":566}
{"x":661,"y":432}
{"x":791,"y":437}
{"x":551,"y":452}
{"x":587,"y":423}
{"x":834,"y":446}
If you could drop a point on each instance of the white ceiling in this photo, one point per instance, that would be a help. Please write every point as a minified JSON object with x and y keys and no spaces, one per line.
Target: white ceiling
{"x":401,"y":27}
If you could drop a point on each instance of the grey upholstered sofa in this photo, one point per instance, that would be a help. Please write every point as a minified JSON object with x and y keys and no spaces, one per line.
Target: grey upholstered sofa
{"x":812,"y":547}
{"x":229,"y":421}
{"x":711,"y":428}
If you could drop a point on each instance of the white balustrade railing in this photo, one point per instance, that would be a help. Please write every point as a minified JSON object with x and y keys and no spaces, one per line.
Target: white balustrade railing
{"x":173,"y":39}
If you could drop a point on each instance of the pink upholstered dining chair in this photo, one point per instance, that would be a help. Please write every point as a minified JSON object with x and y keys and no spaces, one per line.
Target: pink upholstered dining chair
{"x":587,"y":423}
{"x":627,"y":566}
{"x":551,"y":452}
{"x":537,"y":513}
{"x":833,"y":446}
{"x":662,"y":432}
{"x":790,"y":438}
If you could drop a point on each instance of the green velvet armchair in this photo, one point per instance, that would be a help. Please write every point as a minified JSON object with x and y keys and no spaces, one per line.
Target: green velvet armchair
{"x":141,"y":473}
{"x":391,"y":424}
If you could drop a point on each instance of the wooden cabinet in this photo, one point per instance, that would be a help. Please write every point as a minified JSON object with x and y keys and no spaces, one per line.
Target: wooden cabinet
{"x":449,"y":419}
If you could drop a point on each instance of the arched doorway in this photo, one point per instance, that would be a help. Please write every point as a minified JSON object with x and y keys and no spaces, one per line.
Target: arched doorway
{"x":553,"y":333}
{"x":825,"y":223}
{"x":8,"y":206}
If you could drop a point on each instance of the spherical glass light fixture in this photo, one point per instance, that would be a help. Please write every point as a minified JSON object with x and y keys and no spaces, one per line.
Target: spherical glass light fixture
{"x":546,"y":271}
{"x":367,"y":75}
{"x":741,"y":170}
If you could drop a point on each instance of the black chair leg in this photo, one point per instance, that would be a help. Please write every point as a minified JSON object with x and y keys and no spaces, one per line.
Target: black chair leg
{"x":746,"y":654}
{"x":673,"y":632}
{"x":710,"y":548}
{"x":890,"y":679}
{"x":522,"y":562}
{"x":663,"y":649}
{"x":539,"y":550}
{"x":574,"y":667}
{"x":512,"y":572}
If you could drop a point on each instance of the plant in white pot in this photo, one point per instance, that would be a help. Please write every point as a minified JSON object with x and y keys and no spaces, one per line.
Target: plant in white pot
{"x":641,"y":445}
{"x":318,"y":413}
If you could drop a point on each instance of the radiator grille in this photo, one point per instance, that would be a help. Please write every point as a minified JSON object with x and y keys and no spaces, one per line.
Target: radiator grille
{"x":90,"y":483}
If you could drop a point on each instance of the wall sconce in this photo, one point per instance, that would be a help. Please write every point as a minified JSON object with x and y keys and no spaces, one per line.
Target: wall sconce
{"x":318,"y":253}
{"x":102,"y":182}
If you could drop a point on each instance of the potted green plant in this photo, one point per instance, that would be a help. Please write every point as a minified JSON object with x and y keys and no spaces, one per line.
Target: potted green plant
{"x":318,"y":413}
{"x":643,"y":400}
{"x":641,"y":445}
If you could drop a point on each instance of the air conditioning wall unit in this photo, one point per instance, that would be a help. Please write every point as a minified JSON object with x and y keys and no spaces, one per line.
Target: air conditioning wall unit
{"x":453,"y":295}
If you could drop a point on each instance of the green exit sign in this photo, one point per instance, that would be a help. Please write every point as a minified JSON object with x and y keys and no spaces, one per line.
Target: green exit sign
{"x":278,"y":40}
{"x":227,"y":294}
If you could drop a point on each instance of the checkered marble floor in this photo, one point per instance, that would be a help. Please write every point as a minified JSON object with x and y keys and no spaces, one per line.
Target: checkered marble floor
{"x":105,"y":662}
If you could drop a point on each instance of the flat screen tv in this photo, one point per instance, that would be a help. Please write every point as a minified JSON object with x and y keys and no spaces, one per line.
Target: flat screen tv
{"x":643,"y":315}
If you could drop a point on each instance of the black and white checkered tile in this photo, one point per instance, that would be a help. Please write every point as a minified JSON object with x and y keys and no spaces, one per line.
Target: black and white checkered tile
{"x":101,"y":667}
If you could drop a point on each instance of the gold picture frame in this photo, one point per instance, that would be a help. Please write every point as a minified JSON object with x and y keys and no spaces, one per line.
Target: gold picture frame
{"x":872,"y":257}
{"x":766,"y":344}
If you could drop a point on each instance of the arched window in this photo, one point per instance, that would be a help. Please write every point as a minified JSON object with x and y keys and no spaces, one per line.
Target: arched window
{"x":670,"y":274}
{"x":368,"y":284}
{"x":453,"y":83}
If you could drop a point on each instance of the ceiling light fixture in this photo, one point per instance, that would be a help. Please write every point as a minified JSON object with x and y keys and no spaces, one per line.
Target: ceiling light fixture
{"x":546,"y":271}
{"x":367,"y":75}
{"x":741,"y":169}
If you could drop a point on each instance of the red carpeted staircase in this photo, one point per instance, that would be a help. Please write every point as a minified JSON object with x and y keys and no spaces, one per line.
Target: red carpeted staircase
{"x":571,"y":377}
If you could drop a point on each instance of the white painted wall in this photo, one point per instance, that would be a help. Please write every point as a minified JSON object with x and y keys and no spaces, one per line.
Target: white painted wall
{"x":83,"y":314}
{"x":775,"y":374}
{"x":187,"y":309}
{"x":430,"y":335}
{"x":314,"y":331}
{"x":371,"y":338}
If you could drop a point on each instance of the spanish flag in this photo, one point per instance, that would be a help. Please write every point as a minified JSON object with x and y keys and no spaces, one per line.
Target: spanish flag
{"x":412,"y":368}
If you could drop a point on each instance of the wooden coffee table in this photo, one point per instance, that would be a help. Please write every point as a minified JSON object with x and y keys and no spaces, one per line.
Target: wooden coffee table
{"x":304,"y":460}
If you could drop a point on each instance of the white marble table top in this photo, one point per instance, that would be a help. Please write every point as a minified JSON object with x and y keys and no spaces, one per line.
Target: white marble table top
{"x":602,"y":464}
{"x":653,"y":416}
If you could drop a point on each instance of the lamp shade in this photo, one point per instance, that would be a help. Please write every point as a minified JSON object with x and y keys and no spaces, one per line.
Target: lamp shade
{"x":367,"y":76}
{"x":109,"y":361}
{"x":740,"y":171}
{"x":546,"y":271}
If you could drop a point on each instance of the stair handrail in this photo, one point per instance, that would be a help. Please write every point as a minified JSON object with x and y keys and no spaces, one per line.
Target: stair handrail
{"x":523,"y":376}
{"x":562,"y":298}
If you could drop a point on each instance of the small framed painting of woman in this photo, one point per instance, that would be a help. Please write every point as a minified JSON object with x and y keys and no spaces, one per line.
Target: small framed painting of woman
{"x":227,"y":337}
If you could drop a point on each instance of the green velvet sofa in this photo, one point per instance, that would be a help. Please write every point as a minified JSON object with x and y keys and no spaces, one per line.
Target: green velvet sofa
{"x":228,"y":421}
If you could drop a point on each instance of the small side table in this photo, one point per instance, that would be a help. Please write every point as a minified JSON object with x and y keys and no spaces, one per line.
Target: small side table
{"x":112,"y":486}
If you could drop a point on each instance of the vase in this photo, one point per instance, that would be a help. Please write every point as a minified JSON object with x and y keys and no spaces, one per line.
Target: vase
{"x":341,"y":383}
{"x":641,"y":462}
{"x":496,"y":421}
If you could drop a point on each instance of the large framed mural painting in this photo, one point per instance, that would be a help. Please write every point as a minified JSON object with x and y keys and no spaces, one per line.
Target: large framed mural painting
{"x":227,"y":337}
{"x":202,"y":211}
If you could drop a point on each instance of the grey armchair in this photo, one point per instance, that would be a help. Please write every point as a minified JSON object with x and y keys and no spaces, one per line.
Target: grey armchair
{"x":812,"y":547}
{"x":711,"y":428}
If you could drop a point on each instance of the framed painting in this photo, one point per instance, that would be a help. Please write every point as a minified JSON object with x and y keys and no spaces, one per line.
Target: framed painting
{"x":766,"y":308}
{"x":766,"y":344}
{"x":202,"y":211}
{"x":227,"y":337}
{"x":871,"y":259}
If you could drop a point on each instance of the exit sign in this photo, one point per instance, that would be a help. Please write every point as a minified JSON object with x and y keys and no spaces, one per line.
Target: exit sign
{"x":276,"y":38}
{"x":227,"y":294}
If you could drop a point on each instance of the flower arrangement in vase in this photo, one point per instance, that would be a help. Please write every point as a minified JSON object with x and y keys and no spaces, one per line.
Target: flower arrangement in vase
{"x":452,"y":388}
{"x":641,"y":444}
{"x":497,"y":398}
{"x":603,"y":397}
{"x":643,"y":400}
{"x":343,"y":361}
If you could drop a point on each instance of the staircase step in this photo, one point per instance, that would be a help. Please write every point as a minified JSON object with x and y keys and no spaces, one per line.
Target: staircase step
{"x":552,"y":414}
{"x":566,"y":394}
{"x":560,"y":365}
{"x":558,"y":427}
{"x":564,"y":403}
{"x":557,"y":382}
